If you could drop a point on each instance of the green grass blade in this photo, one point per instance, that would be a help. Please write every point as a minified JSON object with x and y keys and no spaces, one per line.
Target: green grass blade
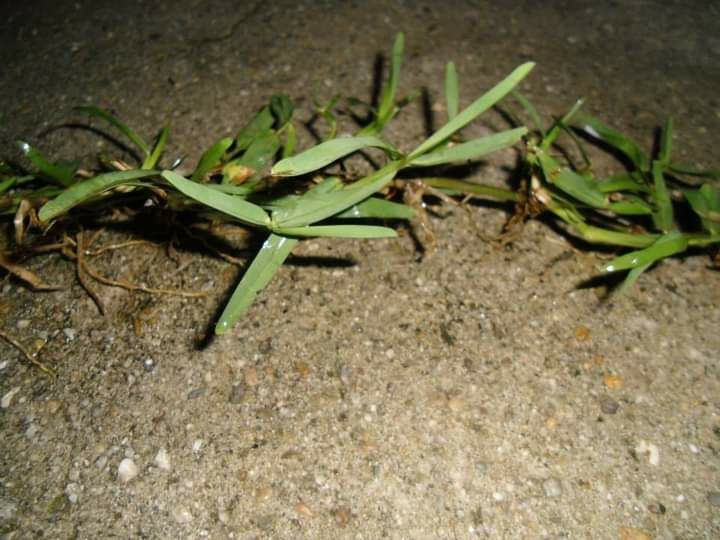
{"x":236,"y":207}
{"x":376,"y":208}
{"x":81,"y":192}
{"x":632,"y":277}
{"x":60,"y":173}
{"x":681,"y":168}
{"x":595,"y":128}
{"x":152,"y":159}
{"x":211,"y":158}
{"x":266,"y":263}
{"x":311,"y":207}
{"x":282,"y":109}
{"x":288,"y":148}
{"x":705,"y":202}
{"x":452,"y":90}
{"x":259,"y":126}
{"x":339,"y":231}
{"x":663,"y":216}
{"x":260,"y":153}
{"x":325,"y":153}
{"x":631,"y":206}
{"x":387,"y":102}
{"x":472,"y":149}
{"x":470,"y":188}
{"x":665,"y":246}
{"x":479,"y":106}
{"x":580,"y":187}
{"x":531,"y":111}
{"x":666,"y":143}
{"x":622,"y":182}
{"x":117,"y":124}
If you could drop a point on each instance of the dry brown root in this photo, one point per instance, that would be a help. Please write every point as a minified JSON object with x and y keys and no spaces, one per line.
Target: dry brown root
{"x":29,"y":357}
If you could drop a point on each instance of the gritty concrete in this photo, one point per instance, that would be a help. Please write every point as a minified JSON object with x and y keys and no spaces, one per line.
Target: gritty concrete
{"x":480,"y":393}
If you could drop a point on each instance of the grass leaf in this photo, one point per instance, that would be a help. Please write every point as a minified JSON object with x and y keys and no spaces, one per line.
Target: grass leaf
{"x":260,"y":124}
{"x":666,"y":143}
{"x":339,"y":231}
{"x":152,"y":159}
{"x":313,"y":207}
{"x":479,"y":106}
{"x":234,"y":206}
{"x":452,"y":90}
{"x":472,"y":149}
{"x":665,"y":246}
{"x":325,"y":153}
{"x":663,"y":216}
{"x":595,"y":128}
{"x":117,"y":124}
{"x":376,"y":208}
{"x":211,"y":158}
{"x":81,"y":192}
{"x":266,"y":263}
{"x":60,"y":173}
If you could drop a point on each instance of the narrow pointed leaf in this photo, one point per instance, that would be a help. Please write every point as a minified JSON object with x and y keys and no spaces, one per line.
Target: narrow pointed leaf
{"x":211,"y":158}
{"x":234,"y":206}
{"x":282,"y":109}
{"x":663,"y":247}
{"x":376,"y":208}
{"x":325,"y":153}
{"x":580,"y":187}
{"x":152,"y":159}
{"x":61,"y":173}
{"x":705,"y":202}
{"x":472,"y":149}
{"x":595,"y":128}
{"x":117,"y":124}
{"x":666,"y":143}
{"x":663,"y":215}
{"x":266,"y":263}
{"x":479,"y":106}
{"x":452,"y":90}
{"x":88,"y":189}
{"x":339,"y":231}
{"x":312,"y":207}
{"x":632,"y":277}
{"x":259,"y":126}
{"x":387,"y":102}
{"x":531,"y":111}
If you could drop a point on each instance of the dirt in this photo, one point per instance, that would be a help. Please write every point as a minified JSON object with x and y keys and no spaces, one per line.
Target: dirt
{"x":483,"y":392}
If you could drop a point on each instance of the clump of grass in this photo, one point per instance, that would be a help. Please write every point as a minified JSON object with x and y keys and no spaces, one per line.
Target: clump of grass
{"x":256,"y":179}
{"x":235,"y":179}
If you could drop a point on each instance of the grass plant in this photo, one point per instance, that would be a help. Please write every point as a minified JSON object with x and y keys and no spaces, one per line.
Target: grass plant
{"x":258,"y":179}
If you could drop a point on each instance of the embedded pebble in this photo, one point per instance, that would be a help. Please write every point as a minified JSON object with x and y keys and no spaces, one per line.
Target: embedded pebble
{"x":69,"y":333}
{"x":714,"y":498}
{"x":22,"y":324}
{"x":657,"y":508}
{"x":196,"y":393}
{"x":630,"y":533}
{"x":197,"y":445}
{"x":552,"y":487}
{"x":72,"y":491}
{"x":251,"y":377}
{"x":127,"y":470}
{"x":651,"y":450}
{"x":181,"y":515}
{"x":162,"y":460}
{"x":237,"y":393}
{"x":608,"y":405}
{"x":6,"y":400}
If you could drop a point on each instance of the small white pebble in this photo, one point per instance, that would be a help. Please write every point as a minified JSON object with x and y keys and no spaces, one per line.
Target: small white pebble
{"x":694,"y":449}
{"x":127,"y":470}
{"x":499,"y":496}
{"x":69,"y":333}
{"x":22,"y":324}
{"x":651,"y":450}
{"x":552,"y":487}
{"x":181,"y":515}
{"x":197,"y":445}
{"x":162,"y":460}
{"x":6,"y":400}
